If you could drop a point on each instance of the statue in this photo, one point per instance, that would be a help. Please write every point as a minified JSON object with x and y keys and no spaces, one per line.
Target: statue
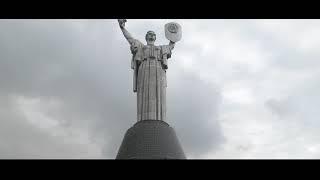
{"x":149,"y":63}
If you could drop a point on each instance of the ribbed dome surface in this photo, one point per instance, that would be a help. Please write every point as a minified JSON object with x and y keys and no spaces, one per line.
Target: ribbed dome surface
{"x":150,"y":139}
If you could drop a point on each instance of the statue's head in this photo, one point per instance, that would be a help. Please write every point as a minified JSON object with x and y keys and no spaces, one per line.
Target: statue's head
{"x":150,"y":37}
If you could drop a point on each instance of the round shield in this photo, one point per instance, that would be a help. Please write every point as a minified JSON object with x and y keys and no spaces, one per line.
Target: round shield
{"x":173,"y":31}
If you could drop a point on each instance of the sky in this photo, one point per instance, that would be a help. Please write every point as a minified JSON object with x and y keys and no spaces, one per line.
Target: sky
{"x":237,"y":89}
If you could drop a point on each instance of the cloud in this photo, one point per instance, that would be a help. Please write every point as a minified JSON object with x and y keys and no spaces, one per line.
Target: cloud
{"x":271,"y":111}
{"x":236,"y":88}
{"x":193,"y":110}
{"x":21,"y":139}
{"x":70,"y":89}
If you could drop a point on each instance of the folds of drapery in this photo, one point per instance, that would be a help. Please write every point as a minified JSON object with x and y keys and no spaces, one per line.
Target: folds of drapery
{"x":149,"y":81}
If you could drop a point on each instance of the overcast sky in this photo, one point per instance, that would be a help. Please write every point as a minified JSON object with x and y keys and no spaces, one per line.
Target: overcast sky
{"x":236,"y":88}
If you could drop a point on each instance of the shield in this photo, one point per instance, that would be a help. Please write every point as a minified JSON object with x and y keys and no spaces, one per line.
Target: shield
{"x":173,"y":31}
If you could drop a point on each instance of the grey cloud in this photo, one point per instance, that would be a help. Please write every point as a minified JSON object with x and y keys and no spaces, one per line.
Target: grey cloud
{"x":193,"y":110}
{"x":279,"y":108}
{"x":87,"y":68}
{"x":20,"y":139}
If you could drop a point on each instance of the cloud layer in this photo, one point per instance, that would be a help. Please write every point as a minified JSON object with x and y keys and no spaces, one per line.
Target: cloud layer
{"x":236,"y":88}
{"x":67,"y":92}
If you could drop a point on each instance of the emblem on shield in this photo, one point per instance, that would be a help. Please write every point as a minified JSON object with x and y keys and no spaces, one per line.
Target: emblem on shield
{"x":173,"y":31}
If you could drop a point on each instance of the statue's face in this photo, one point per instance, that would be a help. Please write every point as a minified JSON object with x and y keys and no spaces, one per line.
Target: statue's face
{"x":150,"y":37}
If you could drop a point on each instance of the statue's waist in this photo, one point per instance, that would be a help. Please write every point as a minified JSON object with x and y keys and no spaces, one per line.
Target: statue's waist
{"x":151,"y":59}
{"x":148,"y":55}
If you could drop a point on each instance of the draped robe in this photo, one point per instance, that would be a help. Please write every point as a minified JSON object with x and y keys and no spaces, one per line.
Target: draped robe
{"x":149,"y":63}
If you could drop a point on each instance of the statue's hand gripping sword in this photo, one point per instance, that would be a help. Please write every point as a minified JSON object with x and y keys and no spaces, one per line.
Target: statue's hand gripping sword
{"x":122,"y":22}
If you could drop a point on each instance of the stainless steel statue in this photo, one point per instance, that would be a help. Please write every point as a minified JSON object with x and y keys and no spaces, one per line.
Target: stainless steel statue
{"x":149,"y":63}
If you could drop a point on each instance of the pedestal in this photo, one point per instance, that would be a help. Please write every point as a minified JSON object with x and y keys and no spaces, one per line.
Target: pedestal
{"x":150,"y":139}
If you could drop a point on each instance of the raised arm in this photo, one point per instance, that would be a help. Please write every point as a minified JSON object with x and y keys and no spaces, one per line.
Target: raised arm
{"x":126,"y":34}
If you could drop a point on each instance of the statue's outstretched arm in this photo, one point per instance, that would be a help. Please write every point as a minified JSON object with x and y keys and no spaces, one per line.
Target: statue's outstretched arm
{"x":126,"y":34}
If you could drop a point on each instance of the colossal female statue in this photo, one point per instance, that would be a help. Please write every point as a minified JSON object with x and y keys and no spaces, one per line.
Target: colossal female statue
{"x":149,"y":63}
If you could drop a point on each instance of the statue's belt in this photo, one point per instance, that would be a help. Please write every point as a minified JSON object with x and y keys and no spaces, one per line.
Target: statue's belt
{"x":151,"y":59}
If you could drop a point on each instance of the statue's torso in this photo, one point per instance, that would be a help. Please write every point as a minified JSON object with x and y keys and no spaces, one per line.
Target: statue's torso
{"x":143,"y":52}
{"x":150,"y":52}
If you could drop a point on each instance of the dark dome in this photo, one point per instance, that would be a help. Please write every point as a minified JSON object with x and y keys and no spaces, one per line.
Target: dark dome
{"x":150,"y":139}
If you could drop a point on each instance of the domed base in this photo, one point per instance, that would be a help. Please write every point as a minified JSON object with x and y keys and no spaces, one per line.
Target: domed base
{"x":150,"y":139}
